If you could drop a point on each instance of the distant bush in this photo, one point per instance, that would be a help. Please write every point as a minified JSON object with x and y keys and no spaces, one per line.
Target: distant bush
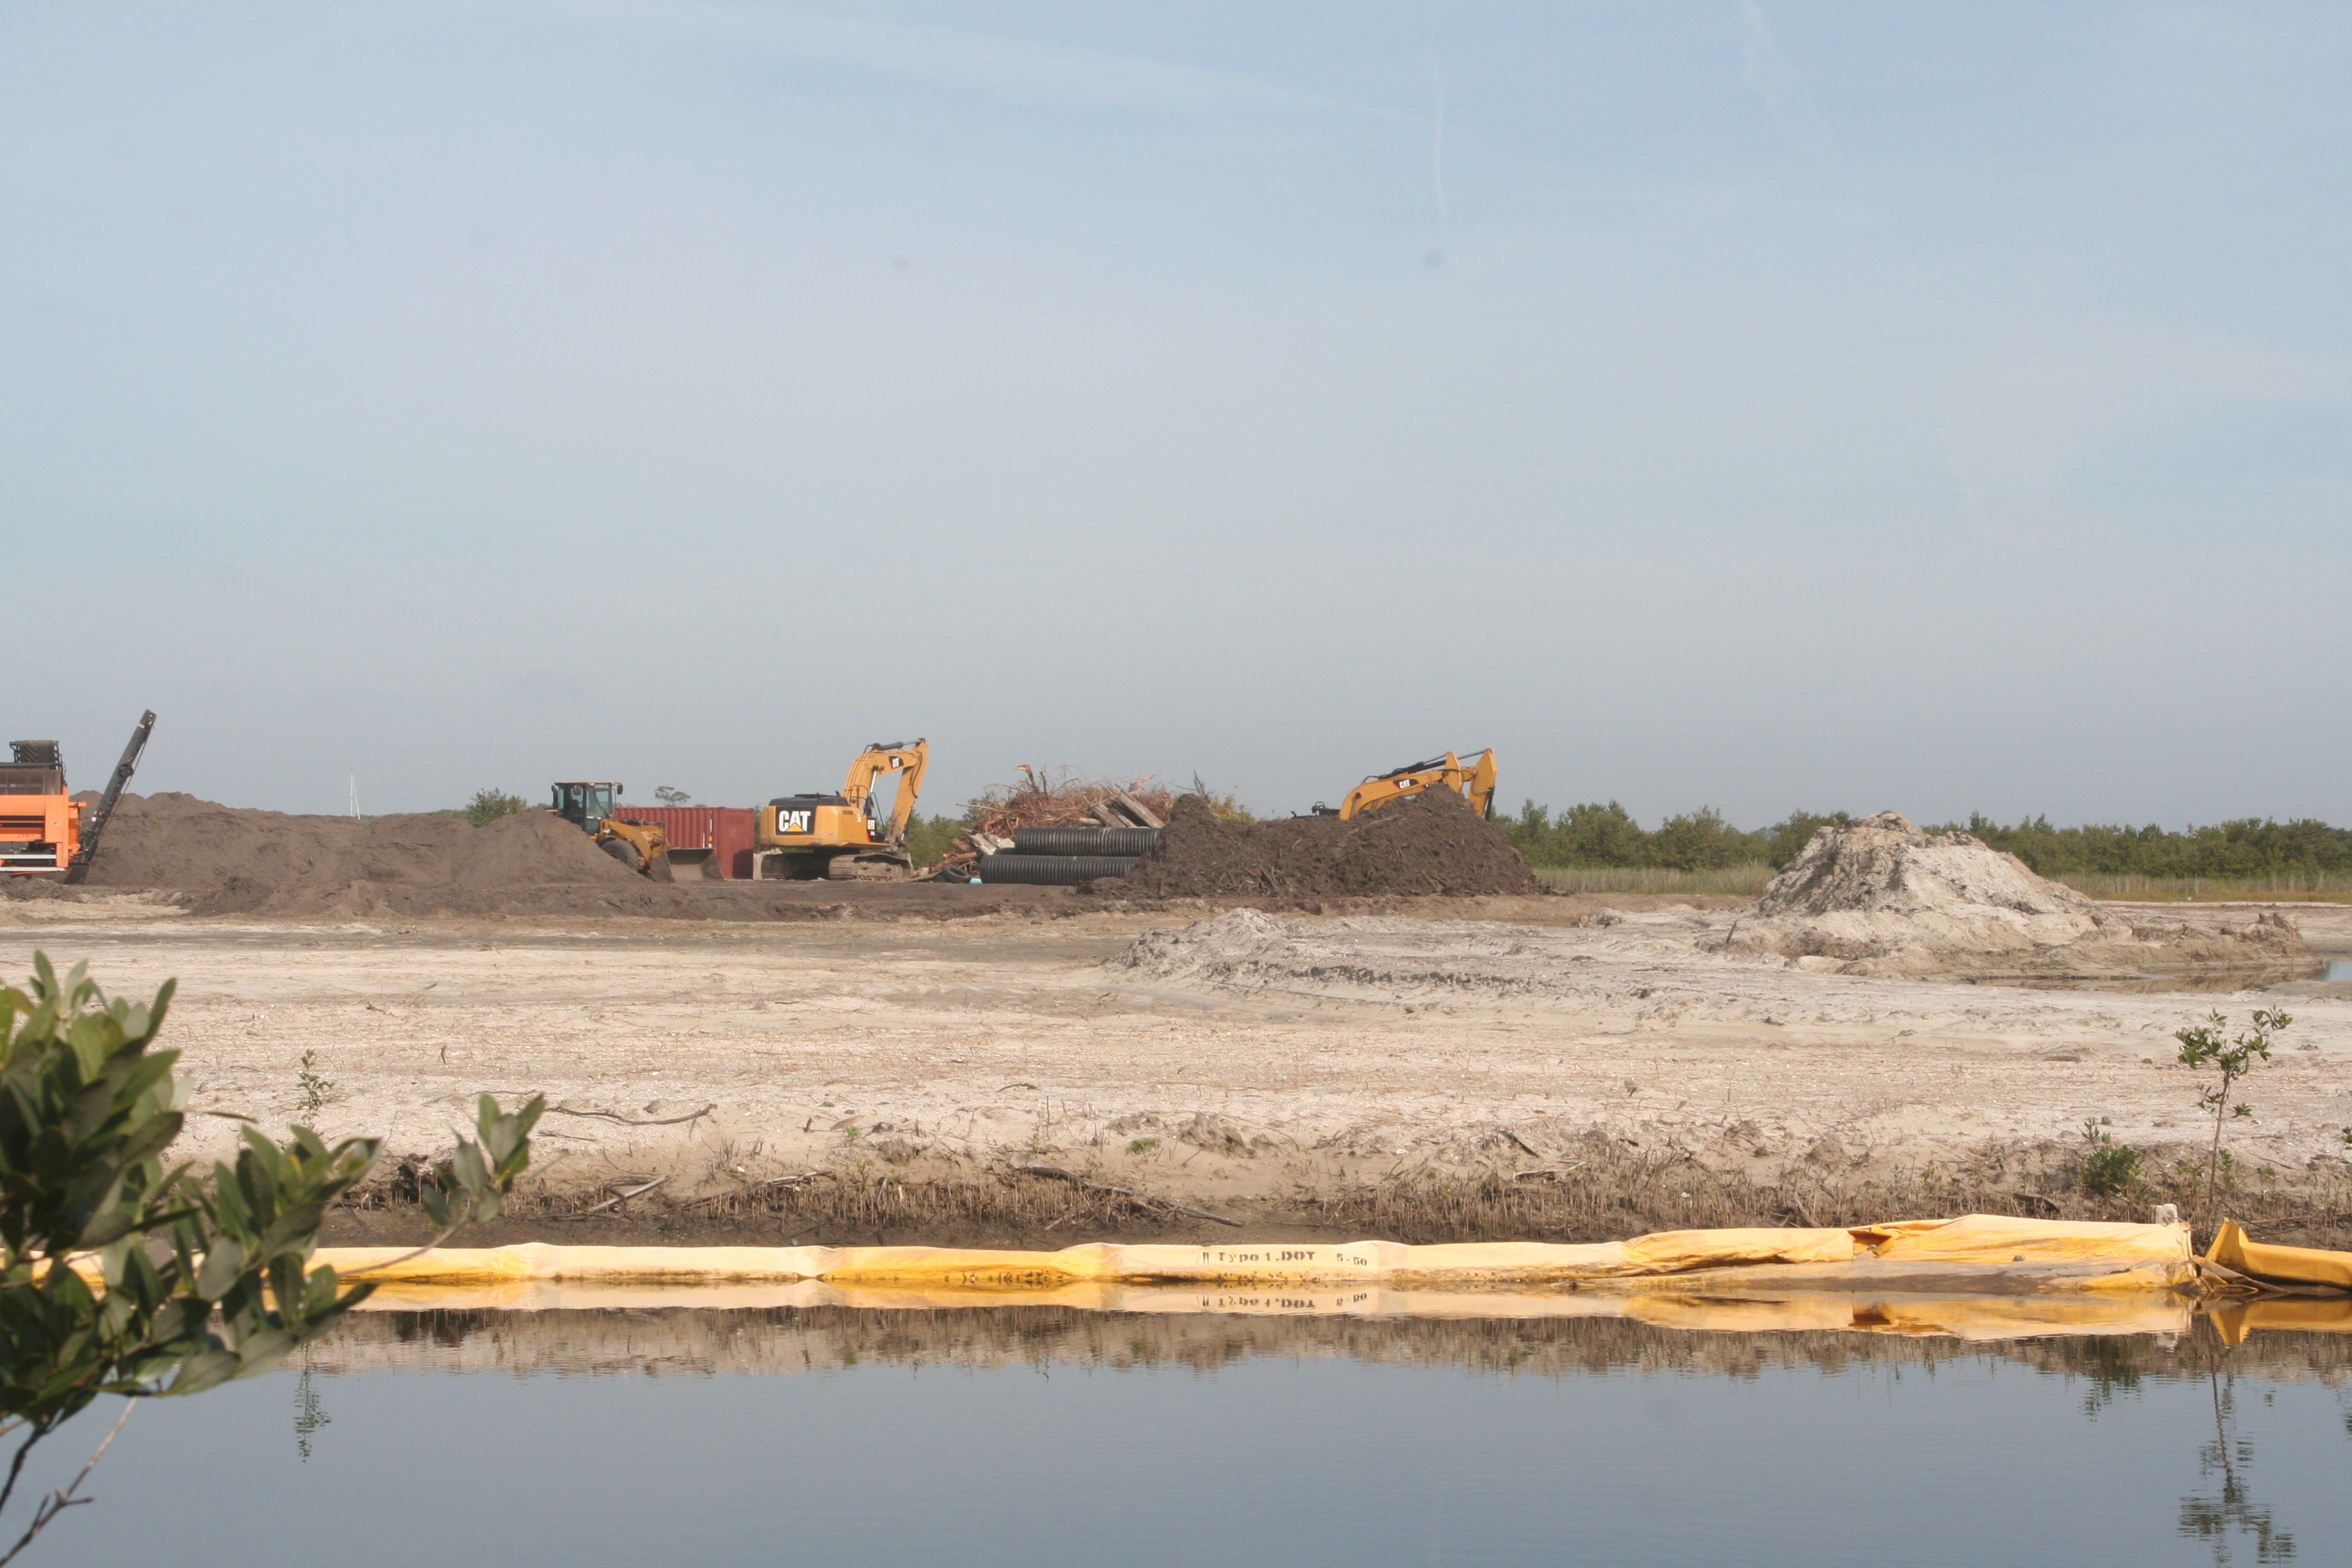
{"x":1227,"y":807}
{"x":1786,"y":838}
{"x":488,"y":804}
{"x":2248,"y":846}
{"x":928,"y":838}
{"x":1596,"y":836}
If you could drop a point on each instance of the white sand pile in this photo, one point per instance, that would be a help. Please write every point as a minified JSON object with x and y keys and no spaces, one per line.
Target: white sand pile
{"x":1879,"y":897}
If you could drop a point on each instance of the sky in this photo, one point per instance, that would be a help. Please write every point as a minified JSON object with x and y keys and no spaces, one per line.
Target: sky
{"x":1756,"y":406}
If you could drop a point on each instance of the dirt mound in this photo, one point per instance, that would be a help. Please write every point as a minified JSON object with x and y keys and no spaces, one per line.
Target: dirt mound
{"x":1880,"y":897}
{"x":1883,"y":865}
{"x":212,"y":859}
{"x":225,"y":860}
{"x":1434,"y":843}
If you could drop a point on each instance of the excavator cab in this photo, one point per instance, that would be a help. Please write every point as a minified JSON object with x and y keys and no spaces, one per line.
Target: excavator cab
{"x":587,"y":804}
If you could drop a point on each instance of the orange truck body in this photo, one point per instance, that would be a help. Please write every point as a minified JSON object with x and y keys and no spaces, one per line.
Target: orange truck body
{"x":40,"y":824}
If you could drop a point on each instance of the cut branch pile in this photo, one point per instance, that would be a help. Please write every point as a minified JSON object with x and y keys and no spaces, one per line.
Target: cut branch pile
{"x":1043,"y":799}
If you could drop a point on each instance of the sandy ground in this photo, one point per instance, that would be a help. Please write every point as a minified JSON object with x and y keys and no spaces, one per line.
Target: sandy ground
{"x":1330,"y":1049}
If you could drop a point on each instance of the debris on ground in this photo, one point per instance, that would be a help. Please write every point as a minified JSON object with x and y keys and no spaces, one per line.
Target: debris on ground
{"x":1041,"y":800}
{"x":1434,"y":843}
{"x":1881,"y":897}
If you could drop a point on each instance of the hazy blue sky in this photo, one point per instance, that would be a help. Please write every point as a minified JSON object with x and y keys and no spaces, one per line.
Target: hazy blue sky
{"x":1936,"y":407}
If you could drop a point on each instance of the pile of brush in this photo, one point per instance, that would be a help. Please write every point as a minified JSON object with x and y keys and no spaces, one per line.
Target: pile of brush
{"x":1042,"y":800}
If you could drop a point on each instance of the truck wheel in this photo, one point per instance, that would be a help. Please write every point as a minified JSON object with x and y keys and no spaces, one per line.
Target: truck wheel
{"x":622,"y":850}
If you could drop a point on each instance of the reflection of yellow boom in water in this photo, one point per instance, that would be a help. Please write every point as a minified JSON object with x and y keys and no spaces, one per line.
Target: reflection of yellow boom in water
{"x":1472,"y":777}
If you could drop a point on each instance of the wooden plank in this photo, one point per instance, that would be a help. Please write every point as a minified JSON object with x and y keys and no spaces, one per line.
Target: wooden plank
{"x":1142,"y":814}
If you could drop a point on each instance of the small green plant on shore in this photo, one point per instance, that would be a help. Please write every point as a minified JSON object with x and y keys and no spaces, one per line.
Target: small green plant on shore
{"x":1142,"y":1145}
{"x":315,"y":1085}
{"x":192,"y":1281}
{"x":2106,"y":1165}
{"x":2208,"y":1047}
{"x":488,"y":804}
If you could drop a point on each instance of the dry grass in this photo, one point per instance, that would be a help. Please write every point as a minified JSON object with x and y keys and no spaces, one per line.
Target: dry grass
{"x":1605,"y":1190}
{"x":1744,"y":881}
{"x":2286,"y":887}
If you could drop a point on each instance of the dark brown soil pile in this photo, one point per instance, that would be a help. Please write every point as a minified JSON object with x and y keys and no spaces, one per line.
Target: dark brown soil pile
{"x":221,"y":860}
{"x":230,"y":861}
{"x":1433,"y":842}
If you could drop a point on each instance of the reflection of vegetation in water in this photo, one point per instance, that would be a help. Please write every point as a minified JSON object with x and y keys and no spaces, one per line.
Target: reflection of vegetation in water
{"x":309,"y":1415}
{"x":2213,"y":1517}
{"x":2112,"y":1367}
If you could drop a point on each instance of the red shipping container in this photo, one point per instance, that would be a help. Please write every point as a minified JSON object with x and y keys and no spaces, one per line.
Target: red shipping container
{"x":718,"y":838}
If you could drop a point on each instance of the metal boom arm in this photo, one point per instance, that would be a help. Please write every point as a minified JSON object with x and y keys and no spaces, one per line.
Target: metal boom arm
{"x":79,"y":869}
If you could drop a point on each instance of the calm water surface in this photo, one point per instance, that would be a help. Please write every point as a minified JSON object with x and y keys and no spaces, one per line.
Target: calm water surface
{"x":1377,"y":1454}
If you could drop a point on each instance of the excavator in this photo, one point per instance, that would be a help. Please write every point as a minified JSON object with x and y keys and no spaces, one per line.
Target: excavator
{"x":642,"y":847}
{"x":1473,"y":776}
{"x":843,"y":836}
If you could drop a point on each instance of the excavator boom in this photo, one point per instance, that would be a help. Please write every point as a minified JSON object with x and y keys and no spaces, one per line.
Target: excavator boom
{"x":1472,"y":777}
{"x":903,"y":758}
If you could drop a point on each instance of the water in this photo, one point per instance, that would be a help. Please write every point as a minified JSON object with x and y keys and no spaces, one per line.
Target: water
{"x":2338,"y":972}
{"x":1050,"y":1440}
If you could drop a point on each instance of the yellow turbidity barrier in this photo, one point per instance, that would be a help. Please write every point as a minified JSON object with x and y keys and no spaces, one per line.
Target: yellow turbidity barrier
{"x":1981,"y":1277}
{"x":2232,"y":1248}
{"x":1975,"y":1255}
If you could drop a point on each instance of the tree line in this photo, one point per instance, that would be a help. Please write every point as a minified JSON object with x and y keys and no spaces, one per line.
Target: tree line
{"x":1591,"y":834}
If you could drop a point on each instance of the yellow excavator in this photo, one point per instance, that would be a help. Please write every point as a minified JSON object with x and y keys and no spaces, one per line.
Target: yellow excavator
{"x":642,"y":847}
{"x":845,"y":836}
{"x":1471,"y":777}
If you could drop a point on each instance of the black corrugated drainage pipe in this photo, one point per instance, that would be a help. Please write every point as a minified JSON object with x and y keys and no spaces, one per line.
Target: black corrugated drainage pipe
{"x":1127,"y":841}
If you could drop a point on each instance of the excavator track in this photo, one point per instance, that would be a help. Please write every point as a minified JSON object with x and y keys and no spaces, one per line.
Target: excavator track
{"x":871,"y":865}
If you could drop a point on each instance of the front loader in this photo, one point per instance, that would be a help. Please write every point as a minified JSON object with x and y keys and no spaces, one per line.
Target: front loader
{"x":641,"y":847}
